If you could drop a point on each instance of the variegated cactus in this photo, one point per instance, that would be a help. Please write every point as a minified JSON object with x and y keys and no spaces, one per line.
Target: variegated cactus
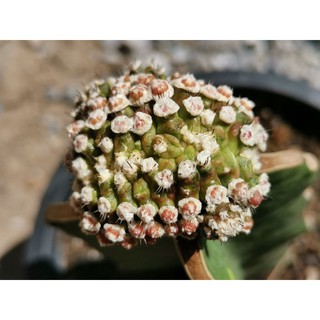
{"x":157,"y":156}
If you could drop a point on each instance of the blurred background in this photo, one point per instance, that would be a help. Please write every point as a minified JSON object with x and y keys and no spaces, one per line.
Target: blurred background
{"x":39,"y":80}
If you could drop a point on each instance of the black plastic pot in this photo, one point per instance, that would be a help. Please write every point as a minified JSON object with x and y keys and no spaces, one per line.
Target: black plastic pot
{"x":296,"y":102}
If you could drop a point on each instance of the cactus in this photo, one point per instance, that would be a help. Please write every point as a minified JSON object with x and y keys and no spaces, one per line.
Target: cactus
{"x":157,"y":156}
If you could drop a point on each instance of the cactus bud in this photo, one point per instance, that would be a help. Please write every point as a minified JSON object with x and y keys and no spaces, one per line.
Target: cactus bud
{"x":158,"y":156}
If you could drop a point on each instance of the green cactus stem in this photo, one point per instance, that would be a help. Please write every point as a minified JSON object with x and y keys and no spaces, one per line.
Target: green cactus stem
{"x":185,"y":150}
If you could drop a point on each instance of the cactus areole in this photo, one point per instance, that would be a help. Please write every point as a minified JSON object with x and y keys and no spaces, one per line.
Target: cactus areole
{"x":157,"y":156}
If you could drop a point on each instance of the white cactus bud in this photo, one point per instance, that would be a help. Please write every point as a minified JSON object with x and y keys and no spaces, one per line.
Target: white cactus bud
{"x":148,"y":165}
{"x":193,"y":105}
{"x":164,"y":179}
{"x":207,"y":117}
{"x":117,"y":103}
{"x":126,"y":211}
{"x":161,"y":89}
{"x":96,"y":119}
{"x":165,"y":107}
{"x":104,"y":207}
{"x":106,"y":145}
{"x":121,"y":124}
{"x":142,"y":123}
{"x":227,"y":114}
{"x":186,"y":169}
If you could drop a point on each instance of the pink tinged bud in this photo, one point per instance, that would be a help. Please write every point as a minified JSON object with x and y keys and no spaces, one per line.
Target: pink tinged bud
{"x":193,"y":105}
{"x":103,"y":241}
{"x":119,"y":89}
{"x":140,"y":94}
{"x":210,"y":92}
{"x":207,"y":117}
{"x":168,"y":214}
{"x":245,"y":106}
{"x":114,"y":232}
{"x":225,"y":93}
{"x":164,"y":178}
{"x":189,"y":226}
{"x":126,"y":211}
{"x":254,"y":134}
{"x":255,"y":197}
{"x":165,"y":107}
{"x":161,"y":89}
{"x":264,"y":184}
{"x":247,"y":135}
{"x":187,"y":82}
{"x":89,"y":224}
{"x":106,"y":145}
{"x":74,"y":128}
{"x":216,"y":194}
{"x":142,"y":123}
{"x":145,"y":79}
{"x":146,"y":213}
{"x":96,"y":119}
{"x":117,"y":103}
{"x":104,"y":207}
{"x":121,"y":124}
{"x":238,"y":190}
{"x":87,"y":194}
{"x":148,"y":165}
{"x":129,"y":242}
{"x":189,"y":207}
{"x":186,"y":169}
{"x":155,"y":230}
{"x":80,"y":143}
{"x":227,"y":114}
{"x":171,"y":230}
{"x":97,"y":103}
{"x":138,"y":229}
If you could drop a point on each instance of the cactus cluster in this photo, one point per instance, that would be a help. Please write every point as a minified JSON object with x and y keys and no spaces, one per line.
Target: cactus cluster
{"x":161,"y":156}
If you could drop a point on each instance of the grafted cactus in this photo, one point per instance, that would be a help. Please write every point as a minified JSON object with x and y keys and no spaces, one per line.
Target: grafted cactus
{"x":158,"y":156}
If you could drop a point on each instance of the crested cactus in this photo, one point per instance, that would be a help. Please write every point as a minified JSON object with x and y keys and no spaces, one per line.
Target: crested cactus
{"x":157,"y":156}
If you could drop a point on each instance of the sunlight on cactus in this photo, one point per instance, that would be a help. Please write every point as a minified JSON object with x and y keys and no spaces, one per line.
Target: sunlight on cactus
{"x":161,"y":156}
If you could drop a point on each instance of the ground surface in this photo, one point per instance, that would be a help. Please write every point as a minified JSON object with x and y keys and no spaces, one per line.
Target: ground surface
{"x":38,"y":80}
